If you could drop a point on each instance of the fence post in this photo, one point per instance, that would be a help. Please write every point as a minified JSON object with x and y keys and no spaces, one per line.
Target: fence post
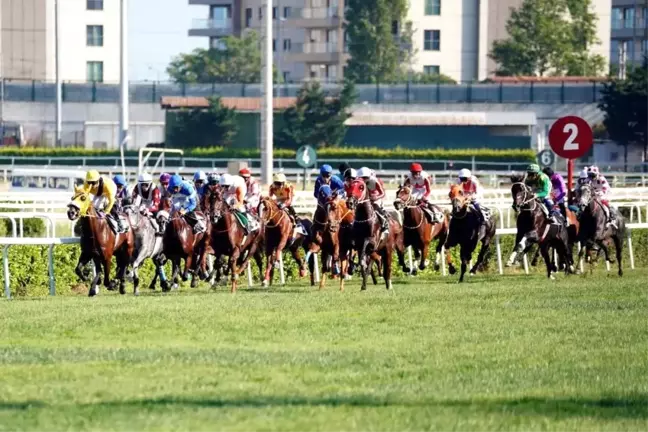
{"x":469,"y":92}
{"x":407,"y":92}
{"x":501,"y":92}
{"x":63,"y":97}
{"x":153,"y":92}
{"x":33,"y":91}
{"x":52,"y":282}
{"x":5,"y":266}
{"x":377,"y":92}
{"x":438,"y":93}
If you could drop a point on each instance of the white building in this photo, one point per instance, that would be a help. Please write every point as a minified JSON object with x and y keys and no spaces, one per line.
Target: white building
{"x":89,"y":40}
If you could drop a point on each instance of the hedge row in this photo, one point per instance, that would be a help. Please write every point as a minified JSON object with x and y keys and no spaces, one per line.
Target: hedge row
{"x":29,"y":277}
{"x":483,"y":154}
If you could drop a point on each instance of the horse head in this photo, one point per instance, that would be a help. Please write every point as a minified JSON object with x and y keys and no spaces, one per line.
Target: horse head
{"x":457,"y":198}
{"x":356,"y":192}
{"x":586,"y":195}
{"x":336,"y":209}
{"x":267,"y":209}
{"x":521,"y":194}
{"x":403,"y":197}
{"x":80,"y":203}
{"x":163,"y":219}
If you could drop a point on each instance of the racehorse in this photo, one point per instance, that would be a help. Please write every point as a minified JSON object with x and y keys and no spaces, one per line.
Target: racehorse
{"x":465,"y":231}
{"x":280,"y":234}
{"x":147,"y":244}
{"x":419,"y":231}
{"x":370,"y":245}
{"x":533,"y":226}
{"x":335,"y":239}
{"x":99,"y":243}
{"x":228,"y":238}
{"x":179,"y":243}
{"x":594,"y":230}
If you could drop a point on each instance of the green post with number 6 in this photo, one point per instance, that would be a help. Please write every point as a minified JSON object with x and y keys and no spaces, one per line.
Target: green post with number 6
{"x":306,"y":157}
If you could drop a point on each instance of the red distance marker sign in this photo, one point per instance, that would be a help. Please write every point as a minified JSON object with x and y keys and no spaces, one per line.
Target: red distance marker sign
{"x":570,"y":137}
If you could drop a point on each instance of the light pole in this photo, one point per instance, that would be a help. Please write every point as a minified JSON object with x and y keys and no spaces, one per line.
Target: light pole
{"x":266,"y":94}
{"x":123,"y":81}
{"x":57,"y":71}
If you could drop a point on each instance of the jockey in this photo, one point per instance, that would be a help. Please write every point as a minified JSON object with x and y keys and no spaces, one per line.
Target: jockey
{"x":234,"y":192}
{"x":376,"y":191}
{"x":472,"y":189}
{"x":149,"y":197}
{"x":199,"y":180}
{"x":326,"y":178}
{"x":342,"y":169}
{"x":421,"y":185}
{"x":253,"y":192}
{"x":164,"y":185}
{"x":541,"y":185}
{"x":185,"y":200}
{"x":601,"y":189}
{"x":350,"y":176}
{"x":282,"y":192}
{"x":558,"y":189}
{"x":104,"y":191}
{"x":122,"y":190}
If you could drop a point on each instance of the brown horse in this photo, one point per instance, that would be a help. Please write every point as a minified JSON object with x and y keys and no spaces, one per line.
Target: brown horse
{"x":368,"y":242}
{"x":228,"y":238}
{"x":419,"y":230}
{"x":335,"y":240}
{"x":99,"y":243}
{"x":465,"y":231}
{"x":279,"y":235}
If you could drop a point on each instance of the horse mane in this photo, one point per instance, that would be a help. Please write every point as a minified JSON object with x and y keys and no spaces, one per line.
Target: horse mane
{"x":517,"y":178}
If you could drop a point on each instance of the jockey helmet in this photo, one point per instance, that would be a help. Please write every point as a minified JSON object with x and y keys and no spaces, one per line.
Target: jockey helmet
{"x":533,"y":169}
{"x":344,"y":167}
{"x":549,"y":171}
{"x":416,"y":167}
{"x":464,"y":174}
{"x":213,"y":179}
{"x":592,"y":171}
{"x":119,"y":180}
{"x":583,"y":174}
{"x":200,"y":176}
{"x":245,"y":172}
{"x":145,"y":178}
{"x":227,"y":180}
{"x":350,"y":174}
{"x":279,"y":178}
{"x":326,"y":170}
{"x":175,"y":181}
{"x":165,"y":178}
{"x":364,"y":172}
{"x":92,"y":176}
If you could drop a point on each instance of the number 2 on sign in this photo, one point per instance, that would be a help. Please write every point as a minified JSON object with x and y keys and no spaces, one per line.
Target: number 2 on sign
{"x":572,"y":129}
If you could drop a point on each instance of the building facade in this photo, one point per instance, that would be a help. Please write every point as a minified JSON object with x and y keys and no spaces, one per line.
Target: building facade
{"x":89,"y":40}
{"x":629,"y":34}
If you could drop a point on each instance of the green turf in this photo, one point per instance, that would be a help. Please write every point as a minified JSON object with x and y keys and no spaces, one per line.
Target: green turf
{"x":512,"y":353}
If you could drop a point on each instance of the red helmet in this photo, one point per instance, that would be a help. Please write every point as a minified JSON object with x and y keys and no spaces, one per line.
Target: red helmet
{"x":245,"y":172}
{"x":416,"y":167}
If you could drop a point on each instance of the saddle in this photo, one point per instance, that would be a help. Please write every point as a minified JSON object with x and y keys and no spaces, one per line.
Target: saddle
{"x":247,"y":221}
{"x":432,"y":217}
{"x":112,"y":223}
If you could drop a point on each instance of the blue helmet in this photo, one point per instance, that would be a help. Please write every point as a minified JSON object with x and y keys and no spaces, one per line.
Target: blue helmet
{"x":175,"y":181}
{"x":326,"y":170}
{"x":119,"y":180}
{"x":200,"y":176}
{"x":325,"y":191}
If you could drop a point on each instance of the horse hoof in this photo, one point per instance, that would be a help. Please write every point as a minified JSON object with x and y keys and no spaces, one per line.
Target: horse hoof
{"x":620,"y":272}
{"x":389,"y":285}
{"x":552,"y":277}
{"x":93,"y":292}
{"x":452,"y":270}
{"x":136,"y":293}
{"x":471,"y":274}
{"x":174,"y":286}
{"x":437,"y":267}
{"x":302,"y":273}
{"x":509,"y":264}
{"x":363,"y":288}
{"x":265,"y":283}
{"x":413,"y":272}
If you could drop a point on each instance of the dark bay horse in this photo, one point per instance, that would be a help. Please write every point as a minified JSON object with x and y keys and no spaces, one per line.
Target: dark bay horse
{"x":334,"y":246}
{"x":368,"y":242}
{"x":594,"y":230}
{"x":228,"y":239}
{"x":99,"y":243}
{"x":465,"y":232}
{"x":279,"y":234}
{"x":533,"y":226}
{"x":419,"y":231}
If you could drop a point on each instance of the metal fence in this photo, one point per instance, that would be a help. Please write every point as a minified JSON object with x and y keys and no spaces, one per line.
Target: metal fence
{"x":150,"y":92}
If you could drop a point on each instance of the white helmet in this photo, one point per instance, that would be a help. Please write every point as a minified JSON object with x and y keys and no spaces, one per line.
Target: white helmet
{"x":465,"y":173}
{"x":145,"y":178}
{"x":200,"y":176}
{"x":364,"y":172}
{"x":583,"y":174}
{"x":351,"y":173}
{"x":227,"y":180}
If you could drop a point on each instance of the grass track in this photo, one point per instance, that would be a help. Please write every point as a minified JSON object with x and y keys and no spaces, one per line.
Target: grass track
{"x":512,"y":353}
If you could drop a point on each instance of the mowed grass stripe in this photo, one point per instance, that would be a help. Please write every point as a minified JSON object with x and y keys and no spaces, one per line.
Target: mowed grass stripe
{"x":512,"y":353}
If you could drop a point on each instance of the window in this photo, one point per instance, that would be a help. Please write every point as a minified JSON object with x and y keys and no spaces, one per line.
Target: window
{"x":628,"y":17}
{"x":286,"y":76}
{"x":286,"y":13}
{"x":248,"y":17}
{"x":274,"y":45}
{"x":94,"y":71}
{"x":274,"y":12}
{"x":432,"y":7}
{"x":431,"y":70}
{"x":617,"y":18}
{"x":643,"y":21}
{"x":614,"y":51}
{"x":394,"y":27}
{"x":432,"y":40}
{"x":94,"y":35}
{"x":287,"y":45}
{"x":94,"y":4}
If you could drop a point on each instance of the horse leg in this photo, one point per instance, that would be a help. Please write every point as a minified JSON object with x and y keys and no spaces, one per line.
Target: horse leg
{"x":269,"y":267}
{"x":425,"y":251}
{"x":176,"y":273}
{"x":481,"y":257}
{"x":520,"y":244}
{"x":377,"y":269}
{"x":439,"y":248}
{"x":122,"y":266}
{"x":234,"y":274}
{"x":544,"y":250}
{"x":107,"y":264}
{"x":618,"y":246}
{"x":465,"y":259}
{"x":325,"y":269}
{"x":536,"y":257}
{"x":94,"y":285}
{"x":294,"y":251}
{"x":387,"y":268}
{"x":84,"y":258}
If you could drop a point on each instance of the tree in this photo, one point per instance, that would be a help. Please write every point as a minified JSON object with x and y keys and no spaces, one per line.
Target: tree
{"x":626,"y":109}
{"x":549,"y":37}
{"x":239,"y":61}
{"x":374,"y":47}
{"x":316,"y":119}
{"x":211,"y":127}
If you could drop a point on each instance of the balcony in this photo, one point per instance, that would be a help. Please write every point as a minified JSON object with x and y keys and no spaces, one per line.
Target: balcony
{"x":211,"y":27}
{"x":317,"y":53}
{"x":325,"y":17}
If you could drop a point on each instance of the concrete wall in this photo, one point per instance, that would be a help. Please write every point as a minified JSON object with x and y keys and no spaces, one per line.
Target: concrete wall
{"x":23,"y":34}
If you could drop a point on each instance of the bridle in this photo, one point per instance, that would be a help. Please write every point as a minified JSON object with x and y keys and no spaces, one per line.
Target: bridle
{"x":265,"y":204}
{"x":528,"y":197}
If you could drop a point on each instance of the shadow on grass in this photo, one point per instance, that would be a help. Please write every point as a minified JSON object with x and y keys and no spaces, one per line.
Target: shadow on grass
{"x":628,"y":407}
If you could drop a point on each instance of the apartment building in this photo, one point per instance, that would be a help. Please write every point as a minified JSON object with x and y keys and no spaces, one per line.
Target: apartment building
{"x":89,"y":42}
{"x":629,"y":36}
